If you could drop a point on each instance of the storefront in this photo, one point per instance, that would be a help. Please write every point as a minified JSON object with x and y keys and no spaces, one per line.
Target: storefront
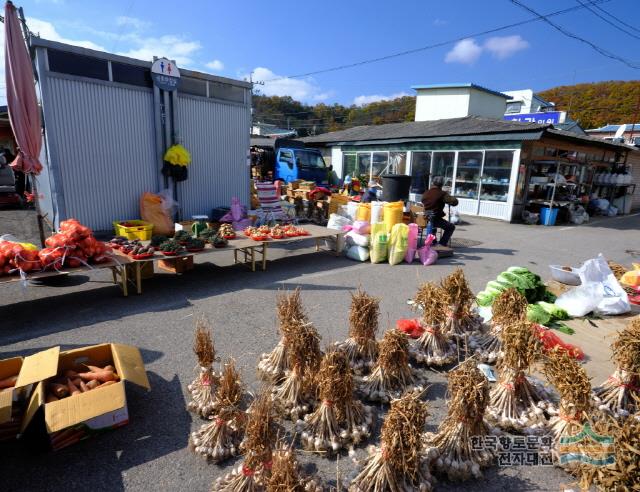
{"x":495,"y":168}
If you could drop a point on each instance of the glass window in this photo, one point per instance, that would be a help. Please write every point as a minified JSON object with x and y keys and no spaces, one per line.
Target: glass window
{"x":131,"y":74}
{"x":514,"y":107}
{"x":228,"y":92}
{"x":468,"y":174}
{"x":496,"y":175}
{"x":306,"y":158}
{"x":286,"y":155}
{"x":380,"y":163}
{"x":85,"y":66}
{"x":348,"y":164}
{"x":364,"y":164}
{"x":398,"y":161}
{"x":420,"y":166}
{"x":443,"y":166}
{"x":196,"y":87}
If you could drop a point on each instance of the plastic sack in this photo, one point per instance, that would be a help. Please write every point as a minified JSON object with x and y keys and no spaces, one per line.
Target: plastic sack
{"x":155,"y":210}
{"x":412,"y":243}
{"x":427,"y":255}
{"x":411,"y":327}
{"x":612,"y":211}
{"x":550,"y":340}
{"x":599,"y":291}
{"x":379,"y":243}
{"x":377,"y":211}
{"x":393,"y":212}
{"x":237,"y":210}
{"x":363,"y":213}
{"x":352,"y":210}
{"x":352,"y":238}
{"x":361,"y":227}
{"x":454,"y":217}
{"x":398,"y":243}
{"x":358,"y":253}
{"x":338,"y":222}
{"x":632,"y":278}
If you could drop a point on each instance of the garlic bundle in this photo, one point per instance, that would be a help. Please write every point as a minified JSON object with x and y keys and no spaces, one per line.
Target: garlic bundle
{"x":619,"y":393}
{"x":295,"y":394}
{"x":273,"y":365}
{"x":509,"y":306}
{"x":285,"y":474}
{"x":399,"y":464}
{"x":392,"y":374}
{"x":202,"y":389}
{"x":516,"y":403}
{"x":361,"y":346}
{"x":451,"y":447}
{"x":460,"y":319}
{"x":433,"y":347}
{"x":220,"y":438}
{"x":257,"y":446}
{"x":339,"y":421}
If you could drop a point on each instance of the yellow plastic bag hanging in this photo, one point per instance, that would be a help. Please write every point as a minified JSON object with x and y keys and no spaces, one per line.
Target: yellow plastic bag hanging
{"x":398,"y":243}
{"x":632,"y":278}
{"x":364,"y":212}
{"x":393,"y":214}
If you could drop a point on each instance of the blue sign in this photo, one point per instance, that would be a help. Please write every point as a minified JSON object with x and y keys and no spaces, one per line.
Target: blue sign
{"x":550,"y":118}
{"x":165,"y":74}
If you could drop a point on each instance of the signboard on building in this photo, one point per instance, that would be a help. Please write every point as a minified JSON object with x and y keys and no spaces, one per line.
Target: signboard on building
{"x":165,"y":74}
{"x":549,"y":118}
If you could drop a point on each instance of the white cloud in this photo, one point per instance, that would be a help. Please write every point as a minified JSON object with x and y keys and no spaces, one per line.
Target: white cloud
{"x":46,"y":30}
{"x":133,"y":22}
{"x":215,"y":65}
{"x":170,"y":46}
{"x":465,"y":51}
{"x":440,"y":22}
{"x":364,"y":100}
{"x":300,"y":89}
{"x":505,"y":46}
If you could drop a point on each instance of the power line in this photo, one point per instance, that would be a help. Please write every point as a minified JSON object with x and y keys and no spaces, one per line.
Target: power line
{"x":569,"y":34}
{"x":431,"y":46}
{"x":588,"y":7}
{"x":606,"y":12}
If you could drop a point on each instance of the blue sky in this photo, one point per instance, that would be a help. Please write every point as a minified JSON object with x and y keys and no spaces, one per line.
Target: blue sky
{"x":277,"y":39}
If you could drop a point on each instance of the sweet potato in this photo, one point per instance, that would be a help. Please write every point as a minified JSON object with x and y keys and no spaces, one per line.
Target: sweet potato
{"x":83,"y":387}
{"x":102,"y":376}
{"x":9,"y":382}
{"x":108,"y":383}
{"x":59,"y":390}
{"x":93,"y":384}
{"x":70,"y":373}
{"x":73,"y":389}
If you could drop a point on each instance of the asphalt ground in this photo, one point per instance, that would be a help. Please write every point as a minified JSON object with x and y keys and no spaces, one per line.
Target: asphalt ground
{"x":151,"y":452}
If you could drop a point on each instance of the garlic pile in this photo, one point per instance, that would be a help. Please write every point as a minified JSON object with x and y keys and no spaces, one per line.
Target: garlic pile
{"x":361,"y":346}
{"x":460,"y":320}
{"x":339,"y":421}
{"x":285,"y":474}
{"x":203,"y":387}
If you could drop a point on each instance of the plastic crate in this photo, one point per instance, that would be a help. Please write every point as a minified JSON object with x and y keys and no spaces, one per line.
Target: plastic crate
{"x":139,"y":229}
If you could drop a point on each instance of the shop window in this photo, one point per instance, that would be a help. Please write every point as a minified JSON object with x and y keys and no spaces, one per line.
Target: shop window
{"x":420,"y":168}
{"x":364,"y":164}
{"x":379,"y":163}
{"x":496,"y":174}
{"x":550,"y":152}
{"x":72,"y":64}
{"x":468,"y":174}
{"x":398,"y":162}
{"x":349,"y":165}
{"x":443,"y":166}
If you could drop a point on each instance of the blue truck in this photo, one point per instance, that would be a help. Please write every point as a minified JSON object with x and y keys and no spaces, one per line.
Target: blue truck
{"x":287,"y":160}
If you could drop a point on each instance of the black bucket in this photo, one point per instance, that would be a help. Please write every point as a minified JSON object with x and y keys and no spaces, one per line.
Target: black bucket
{"x":395,"y":187}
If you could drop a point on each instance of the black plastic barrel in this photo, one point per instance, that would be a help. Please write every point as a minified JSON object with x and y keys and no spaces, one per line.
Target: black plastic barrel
{"x":395,"y":187}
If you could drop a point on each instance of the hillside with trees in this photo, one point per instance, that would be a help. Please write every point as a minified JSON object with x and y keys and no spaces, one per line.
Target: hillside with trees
{"x":593,"y":105}
{"x":596,"y":104}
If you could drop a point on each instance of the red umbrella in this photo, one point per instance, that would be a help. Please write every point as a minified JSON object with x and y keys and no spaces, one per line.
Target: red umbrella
{"x":24,"y":112}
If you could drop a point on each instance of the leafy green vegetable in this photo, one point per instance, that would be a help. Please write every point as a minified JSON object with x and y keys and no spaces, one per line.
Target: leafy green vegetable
{"x":485,"y":298}
{"x":561,"y":327}
{"x":556,"y":312}
{"x":536,"y":314}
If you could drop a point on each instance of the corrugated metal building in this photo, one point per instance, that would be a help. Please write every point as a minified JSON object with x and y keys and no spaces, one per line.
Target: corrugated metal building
{"x":104,"y":124}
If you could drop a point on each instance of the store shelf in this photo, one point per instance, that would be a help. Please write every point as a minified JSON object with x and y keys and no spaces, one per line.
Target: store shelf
{"x":495,"y":183}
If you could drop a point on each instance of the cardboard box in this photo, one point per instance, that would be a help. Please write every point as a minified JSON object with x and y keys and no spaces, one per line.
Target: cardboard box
{"x":146,"y":270}
{"x":293,"y":185}
{"x":14,"y":401}
{"x":77,"y":417}
{"x":335,"y":201}
{"x":306,"y":185}
{"x":177,"y":265}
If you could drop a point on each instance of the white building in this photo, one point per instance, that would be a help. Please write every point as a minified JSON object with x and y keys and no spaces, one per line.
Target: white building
{"x":440,"y":101}
{"x":526,"y":101}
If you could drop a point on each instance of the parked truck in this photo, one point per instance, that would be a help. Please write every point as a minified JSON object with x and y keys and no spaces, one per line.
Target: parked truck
{"x":287,"y":160}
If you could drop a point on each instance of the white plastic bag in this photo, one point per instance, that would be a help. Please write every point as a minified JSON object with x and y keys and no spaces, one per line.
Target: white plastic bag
{"x":376,"y":211}
{"x":338,"y":222}
{"x":352,"y":209}
{"x":358,"y":253}
{"x":600,"y":291}
{"x":354,"y":239}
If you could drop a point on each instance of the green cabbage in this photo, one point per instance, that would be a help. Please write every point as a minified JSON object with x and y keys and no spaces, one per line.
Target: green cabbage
{"x":554,"y":311}
{"x":537,"y":314}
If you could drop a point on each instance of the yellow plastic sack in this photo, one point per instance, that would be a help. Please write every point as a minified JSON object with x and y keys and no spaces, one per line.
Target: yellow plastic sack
{"x":364,"y":212}
{"x":379,"y":243}
{"x":151,"y":210}
{"x":29,"y":246}
{"x":632,"y":278}
{"x":393,"y":214}
{"x":398,"y":243}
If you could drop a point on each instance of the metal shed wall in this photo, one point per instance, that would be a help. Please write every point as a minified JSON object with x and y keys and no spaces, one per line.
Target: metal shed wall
{"x":101,"y":139}
{"x":217,"y":136}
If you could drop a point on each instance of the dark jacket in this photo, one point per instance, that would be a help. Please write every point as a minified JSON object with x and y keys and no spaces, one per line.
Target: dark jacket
{"x":435,"y":199}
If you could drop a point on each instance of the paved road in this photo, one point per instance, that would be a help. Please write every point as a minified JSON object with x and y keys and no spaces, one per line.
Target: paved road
{"x":150,"y":453}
